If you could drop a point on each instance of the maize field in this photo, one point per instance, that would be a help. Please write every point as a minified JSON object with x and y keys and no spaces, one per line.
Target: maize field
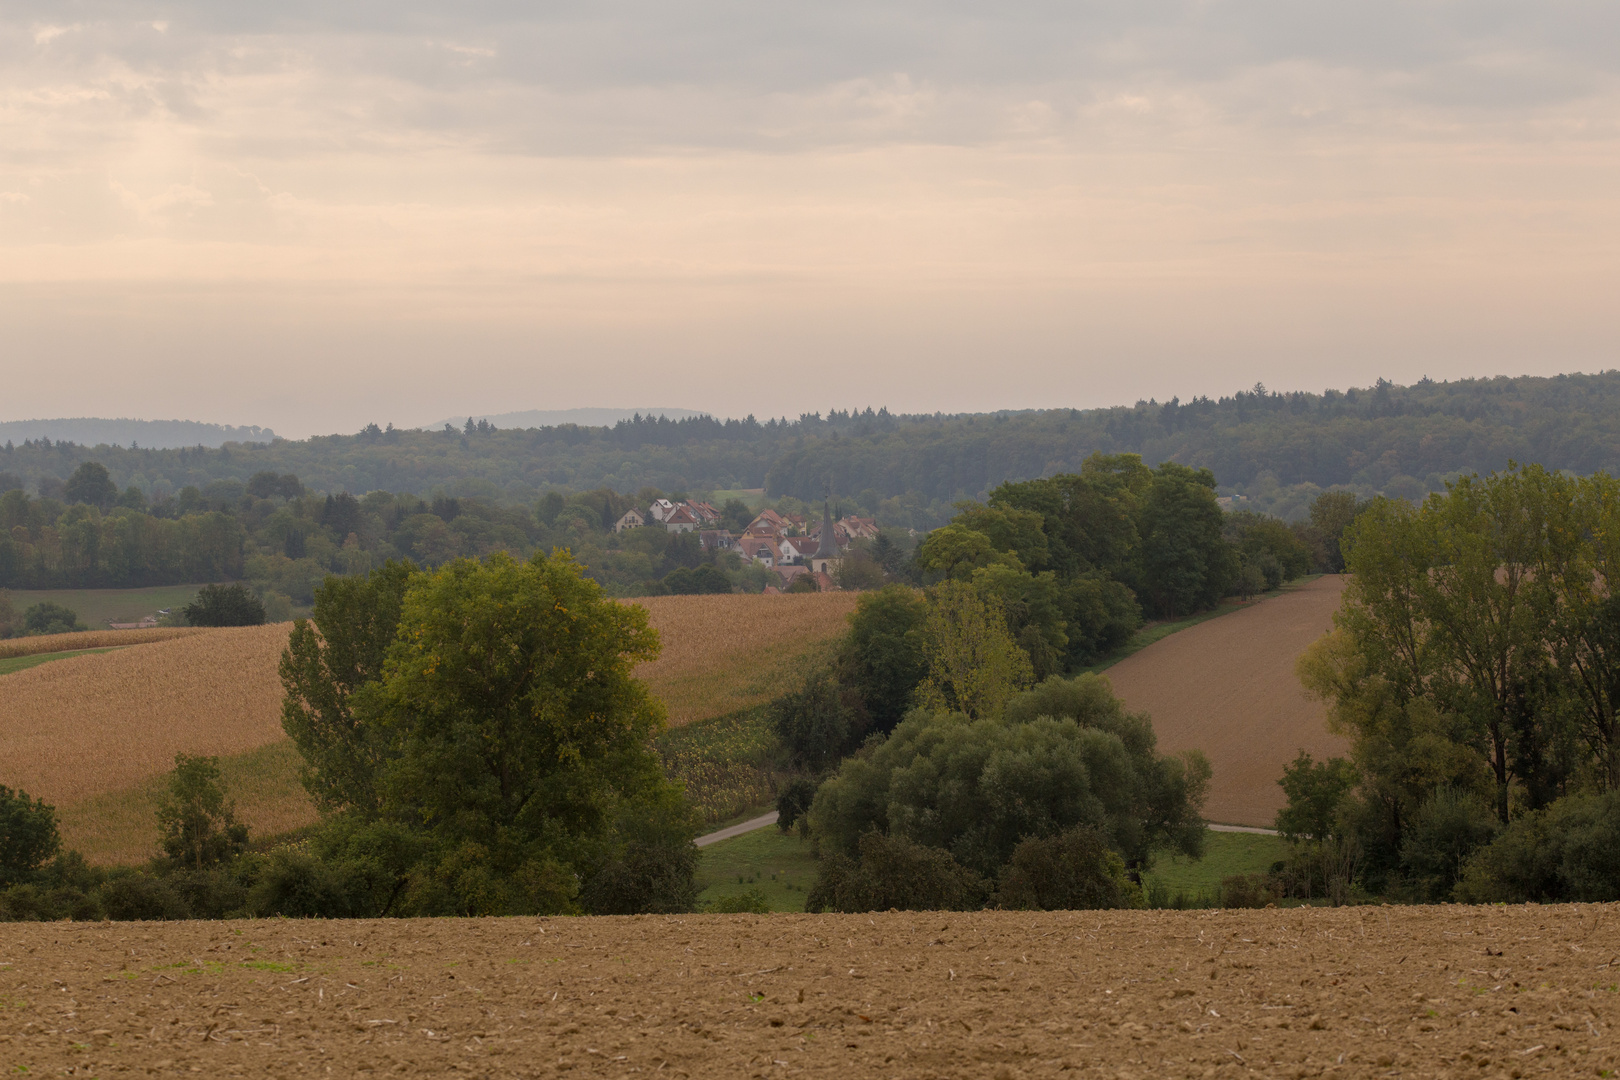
{"x":93,"y":734}
{"x":91,"y":639}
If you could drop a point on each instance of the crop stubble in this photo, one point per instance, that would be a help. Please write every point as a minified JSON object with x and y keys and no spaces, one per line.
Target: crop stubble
{"x":1352,"y":992}
{"x":1227,"y":687}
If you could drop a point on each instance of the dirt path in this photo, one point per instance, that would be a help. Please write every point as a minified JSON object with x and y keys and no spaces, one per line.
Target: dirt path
{"x":1227,"y":687}
{"x":1357,"y":992}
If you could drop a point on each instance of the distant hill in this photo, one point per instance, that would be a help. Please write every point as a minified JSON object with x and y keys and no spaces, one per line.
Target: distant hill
{"x":1270,"y":452}
{"x":148,"y":434}
{"x":537,"y":418}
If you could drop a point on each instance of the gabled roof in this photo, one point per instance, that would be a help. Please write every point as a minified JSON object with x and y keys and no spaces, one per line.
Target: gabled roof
{"x":753,"y":545}
{"x":680,"y":516}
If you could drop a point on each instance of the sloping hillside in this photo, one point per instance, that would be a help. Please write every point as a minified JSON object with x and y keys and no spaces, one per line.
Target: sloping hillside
{"x":88,"y":733}
{"x":1227,"y":687}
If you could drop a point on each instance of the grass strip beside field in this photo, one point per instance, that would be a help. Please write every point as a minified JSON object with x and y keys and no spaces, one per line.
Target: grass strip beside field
{"x":1225,"y":854}
{"x":120,"y":827}
{"x":100,"y":640}
{"x":9,"y":664}
{"x":98,"y":607}
{"x":1157,"y":631}
{"x":779,"y":865}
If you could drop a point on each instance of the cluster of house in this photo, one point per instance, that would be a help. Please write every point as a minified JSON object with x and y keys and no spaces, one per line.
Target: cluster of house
{"x":785,"y":544}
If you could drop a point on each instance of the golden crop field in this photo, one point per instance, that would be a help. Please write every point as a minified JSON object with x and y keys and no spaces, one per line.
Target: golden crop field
{"x":724,"y":653}
{"x":93,"y":734}
{"x":91,"y":639}
{"x":102,"y":725}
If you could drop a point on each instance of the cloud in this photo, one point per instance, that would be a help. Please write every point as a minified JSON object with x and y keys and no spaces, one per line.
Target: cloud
{"x":1089,"y":192}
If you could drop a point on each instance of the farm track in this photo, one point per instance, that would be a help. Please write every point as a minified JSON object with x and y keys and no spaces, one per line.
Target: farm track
{"x":1354,"y":992}
{"x":1227,"y":687}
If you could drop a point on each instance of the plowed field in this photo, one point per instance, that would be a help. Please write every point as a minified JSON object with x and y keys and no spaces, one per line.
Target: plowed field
{"x":1227,"y":687}
{"x":1356,"y":992}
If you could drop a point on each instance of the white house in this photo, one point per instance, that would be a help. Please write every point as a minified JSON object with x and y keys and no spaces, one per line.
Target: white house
{"x":681,"y":520}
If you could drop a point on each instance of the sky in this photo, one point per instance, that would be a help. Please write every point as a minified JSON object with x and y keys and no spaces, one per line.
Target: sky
{"x":310,"y":216}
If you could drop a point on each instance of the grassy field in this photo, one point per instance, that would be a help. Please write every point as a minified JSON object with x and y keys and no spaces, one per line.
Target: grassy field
{"x":777,"y":864}
{"x":97,"y":607}
{"x":1225,"y":854}
{"x":753,"y":498}
{"x":119,"y":827}
{"x":10,"y":664}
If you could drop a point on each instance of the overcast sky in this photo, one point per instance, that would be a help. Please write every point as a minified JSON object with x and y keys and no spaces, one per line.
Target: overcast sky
{"x":307,"y":218}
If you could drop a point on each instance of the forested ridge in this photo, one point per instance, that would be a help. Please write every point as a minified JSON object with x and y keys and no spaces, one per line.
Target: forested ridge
{"x":1275,"y":449}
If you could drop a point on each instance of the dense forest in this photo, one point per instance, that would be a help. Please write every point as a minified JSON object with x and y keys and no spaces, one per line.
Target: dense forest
{"x":1272,"y":451}
{"x":286,"y":540}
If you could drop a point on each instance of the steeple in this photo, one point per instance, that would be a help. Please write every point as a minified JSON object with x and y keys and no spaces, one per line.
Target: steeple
{"x":828,"y":547}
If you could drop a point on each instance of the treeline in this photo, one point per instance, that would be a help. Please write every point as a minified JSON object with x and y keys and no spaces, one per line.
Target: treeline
{"x":1075,"y":562}
{"x":286,"y":540}
{"x":1075,"y":559}
{"x":448,"y":784}
{"x":451,"y":785}
{"x":1476,"y":671}
{"x":1275,"y":450}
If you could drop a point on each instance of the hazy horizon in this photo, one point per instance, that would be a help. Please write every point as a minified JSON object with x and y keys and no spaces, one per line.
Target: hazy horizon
{"x":308,"y":218}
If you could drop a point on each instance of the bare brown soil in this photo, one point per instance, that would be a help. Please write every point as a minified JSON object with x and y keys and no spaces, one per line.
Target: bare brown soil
{"x":1227,"y":687}
{"x":1353,"y":992}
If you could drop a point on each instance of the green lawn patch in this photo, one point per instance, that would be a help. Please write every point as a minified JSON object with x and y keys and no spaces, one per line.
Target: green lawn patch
{"x":97,"y":607}
{"x":10,"y":664}
{"x":778,"y":864}
{"x":1225,"y":854}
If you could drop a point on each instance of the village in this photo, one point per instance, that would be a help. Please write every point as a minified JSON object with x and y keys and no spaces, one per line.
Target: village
{"x":794,"y":549}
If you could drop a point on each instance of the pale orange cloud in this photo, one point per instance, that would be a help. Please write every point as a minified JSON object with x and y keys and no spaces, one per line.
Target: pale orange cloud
{"x":309,"y":223}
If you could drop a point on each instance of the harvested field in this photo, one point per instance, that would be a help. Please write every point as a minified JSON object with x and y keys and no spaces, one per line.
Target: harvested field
{"x":1227,"y":687}
{"x":724,"y":653}
{"x":92,"y":639}
{"x":1353,"y":992}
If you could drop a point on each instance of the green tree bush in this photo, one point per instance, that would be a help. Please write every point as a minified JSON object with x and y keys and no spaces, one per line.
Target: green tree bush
{"x":1316,"y":791}
{"x":1568,"y":851}
{"x":883,"y":657}
{"x":224,"y":605}
{"x":504,"y":737}
{"x":892,"y":872}
{"x":978,"y":788}
{"x":91,"y":484}
{"x":28,"y":836}
{"x":1447,"y":830}
{"x":46,"y":617}
{"x":328,"y":659}
{"x":197,"y":822}
{"x":818,"y":722}
{"x":1069,"y":871}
